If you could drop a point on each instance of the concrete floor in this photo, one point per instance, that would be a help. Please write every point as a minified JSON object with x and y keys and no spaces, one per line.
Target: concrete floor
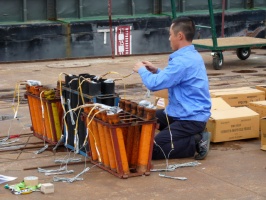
{"x":232,"y":170}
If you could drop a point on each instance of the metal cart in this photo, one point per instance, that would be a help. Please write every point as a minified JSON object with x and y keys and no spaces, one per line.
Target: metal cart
{"x":218,"y":45}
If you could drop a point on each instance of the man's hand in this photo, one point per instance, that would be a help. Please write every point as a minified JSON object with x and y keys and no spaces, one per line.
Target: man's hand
{"x":149,"y":66}
{"x":137,"y":66}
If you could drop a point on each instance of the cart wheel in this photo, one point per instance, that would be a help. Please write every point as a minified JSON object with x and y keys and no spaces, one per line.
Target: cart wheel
{"x":217,"y":60}
{"x":243,"y":53}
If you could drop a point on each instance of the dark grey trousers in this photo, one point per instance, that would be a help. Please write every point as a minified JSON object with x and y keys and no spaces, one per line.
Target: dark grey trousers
{"x":183,"y":137}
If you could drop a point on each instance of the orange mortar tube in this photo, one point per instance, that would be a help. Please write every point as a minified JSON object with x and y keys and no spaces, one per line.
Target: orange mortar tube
{"x":110,"y":148}
{"x":47,"y":123}
{"x":94,"y":154}
{"x":57,"y":124}
{"x":144,"y":147}
{"x":97,"y":139}
{"x":135,"y":147}
{"x":103,"y":145}
{"x":129,"y":142}
{"x":32,"y":112}
{"x":53,"y":115}
{"x":109,"y":144}
{"x":60,"y":114}
{"x":37,"y":109}
{"x":122,"y":151}
{"x":118,"y":141}
{"x":125,"y":133}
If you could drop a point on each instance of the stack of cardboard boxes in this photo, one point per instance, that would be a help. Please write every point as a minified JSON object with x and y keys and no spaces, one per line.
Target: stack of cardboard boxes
{"x":237,"y":113}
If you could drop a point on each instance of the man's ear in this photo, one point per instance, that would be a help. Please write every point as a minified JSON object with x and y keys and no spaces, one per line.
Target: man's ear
{"x":180,"y":35}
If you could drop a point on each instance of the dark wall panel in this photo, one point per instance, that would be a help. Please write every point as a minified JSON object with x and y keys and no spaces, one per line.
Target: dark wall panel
{"x":143,"y":6}
{"x":36,"y":10}
{"x":192,"y":5}
{"x":237,"y":4}
{"x":94,"y":8}
{"x":32,"y":42}
{"x":121,"y":7}
{"x":259,"y":3}
{"x":11,"y":10}
{"x":67,"y":9}
{"x":166,"y":6}
{"x":82,"y":45}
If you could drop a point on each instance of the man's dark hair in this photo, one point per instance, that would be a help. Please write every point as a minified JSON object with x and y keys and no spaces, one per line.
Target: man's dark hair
{"x":185,"y":25}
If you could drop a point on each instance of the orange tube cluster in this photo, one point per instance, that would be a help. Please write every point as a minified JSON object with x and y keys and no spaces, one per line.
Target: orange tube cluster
{"x":121,"y":143}
{"x":46,"y":113}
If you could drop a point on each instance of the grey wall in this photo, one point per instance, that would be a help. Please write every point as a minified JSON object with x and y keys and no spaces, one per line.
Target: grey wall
{"x":259,"y":3}
{"x":67,"y":9}
{"x":32,"y":10}
{"x":36,"y":10}
{"x":11,"y":10}
{"x":23,"y":40}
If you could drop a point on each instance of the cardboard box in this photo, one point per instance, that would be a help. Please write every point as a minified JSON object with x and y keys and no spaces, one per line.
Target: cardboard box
{"x":161,"y":98}
{"x":219,"y":104}
{"x":263,"y":133}
{"x":230,"y":89}
{"x":161,"y":103}
{"x":239,"y":97}
{"x":259,"y":107}
{"x":262,"y":88}
{"x":161,"y":93}
{"x":227,"y":125}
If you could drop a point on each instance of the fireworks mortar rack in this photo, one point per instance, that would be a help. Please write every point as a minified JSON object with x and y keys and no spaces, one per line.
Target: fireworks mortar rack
{"x":121,"y":143}
{"x":47,"y":112}
{"x":79,"y":90}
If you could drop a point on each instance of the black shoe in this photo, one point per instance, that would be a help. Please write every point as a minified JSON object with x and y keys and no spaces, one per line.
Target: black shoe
{"x":203,"y":146}
{"x":197,"y":138}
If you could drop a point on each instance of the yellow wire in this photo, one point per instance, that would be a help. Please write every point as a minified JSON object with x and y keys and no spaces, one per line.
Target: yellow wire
{"x":123,"y":76}
{"x":89,"y":124}
{"x":80,"y":88}
{"x":86,"y":138}
{"x":80,"y":83}
{"x":111,"y":72}
{"x":43,"y":116}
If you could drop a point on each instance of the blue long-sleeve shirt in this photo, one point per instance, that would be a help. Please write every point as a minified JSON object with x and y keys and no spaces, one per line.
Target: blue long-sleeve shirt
{"x":186,"y":79}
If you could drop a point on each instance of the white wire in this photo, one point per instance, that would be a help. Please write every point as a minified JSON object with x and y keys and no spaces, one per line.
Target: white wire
{"x":172,"y":145}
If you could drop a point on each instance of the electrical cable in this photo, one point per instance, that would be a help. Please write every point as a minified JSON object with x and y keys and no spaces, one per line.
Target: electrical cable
{"x":78,"y":107}
{"x":45,"y":146}
{"x":171,"y":135}
{"x":80,"y":88}
{"x":122,"y":76}
{"x":15,"y":109}
{"x":64,"y":110}
{"x":16,"y":91}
